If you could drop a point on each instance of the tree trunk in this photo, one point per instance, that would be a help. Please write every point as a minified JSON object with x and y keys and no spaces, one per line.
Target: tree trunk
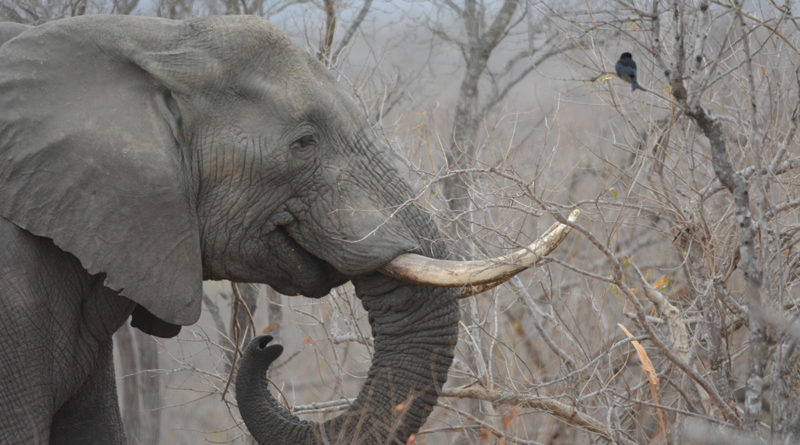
{"x":140,"y":395}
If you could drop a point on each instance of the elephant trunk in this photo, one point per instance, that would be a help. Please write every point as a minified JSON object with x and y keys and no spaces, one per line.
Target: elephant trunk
{"x":415,"y":330}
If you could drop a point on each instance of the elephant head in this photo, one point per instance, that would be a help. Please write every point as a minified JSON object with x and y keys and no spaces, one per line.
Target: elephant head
{"x":161,"y":153}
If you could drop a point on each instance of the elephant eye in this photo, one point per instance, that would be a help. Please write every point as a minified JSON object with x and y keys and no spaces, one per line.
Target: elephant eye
{"x":304,"y":146}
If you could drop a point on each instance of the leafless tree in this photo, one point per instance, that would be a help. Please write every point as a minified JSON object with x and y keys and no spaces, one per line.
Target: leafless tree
{"x":712,"y":150}
{"x":140,"y":392}
{"x":39,"y":11}
{"x":484,"y":28}
{"x":326,"y":52}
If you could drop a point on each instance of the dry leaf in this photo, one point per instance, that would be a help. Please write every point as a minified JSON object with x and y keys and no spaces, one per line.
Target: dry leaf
{"x":400,"y":407}
{"x":309,"y":341}
{"x":268,"y":329}
{"x":650,"y":372}
{"x":510,"y":416}
{"x":661,"y":281}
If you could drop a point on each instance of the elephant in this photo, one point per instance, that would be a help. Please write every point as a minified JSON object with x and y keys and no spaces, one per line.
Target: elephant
{"x":9,"y":30}
{"x":140,"y":156}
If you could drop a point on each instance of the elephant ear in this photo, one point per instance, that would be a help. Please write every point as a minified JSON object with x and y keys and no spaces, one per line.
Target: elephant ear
{"x":92,"y":156}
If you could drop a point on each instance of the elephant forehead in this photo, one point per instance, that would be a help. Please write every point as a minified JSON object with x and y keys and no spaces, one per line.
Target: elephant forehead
{"x":294,"y":91}
{"x":243,"y":32}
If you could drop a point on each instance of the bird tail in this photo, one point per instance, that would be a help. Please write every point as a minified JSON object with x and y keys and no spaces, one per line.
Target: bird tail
{"x":635,"y":85}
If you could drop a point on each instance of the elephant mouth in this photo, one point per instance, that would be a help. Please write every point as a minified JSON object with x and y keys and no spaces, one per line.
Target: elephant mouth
{"x":300,"y":272}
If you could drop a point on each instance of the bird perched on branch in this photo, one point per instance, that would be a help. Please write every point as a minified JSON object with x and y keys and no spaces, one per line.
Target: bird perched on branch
{"x":626,"y":70}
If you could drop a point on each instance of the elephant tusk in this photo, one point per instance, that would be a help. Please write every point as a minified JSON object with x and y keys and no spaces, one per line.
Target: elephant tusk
{"x":476,"y":276}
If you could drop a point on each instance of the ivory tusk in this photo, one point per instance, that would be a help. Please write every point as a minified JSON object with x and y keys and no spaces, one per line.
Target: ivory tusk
{"x":479,"y":275}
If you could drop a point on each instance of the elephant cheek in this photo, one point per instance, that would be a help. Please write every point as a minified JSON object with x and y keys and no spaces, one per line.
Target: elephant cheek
{"x":353,"y":244}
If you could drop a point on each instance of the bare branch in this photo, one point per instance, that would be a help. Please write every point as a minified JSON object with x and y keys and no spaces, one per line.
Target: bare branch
{"x":351,"y":30}
{"x":567,"y":413}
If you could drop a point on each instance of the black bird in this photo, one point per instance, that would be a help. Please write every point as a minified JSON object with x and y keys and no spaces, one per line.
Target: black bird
{"x":626,"y":70}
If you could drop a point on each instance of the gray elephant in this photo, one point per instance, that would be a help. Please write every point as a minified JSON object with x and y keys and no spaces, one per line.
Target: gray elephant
{"x":139,"y":156}
{"x":9,"y":30}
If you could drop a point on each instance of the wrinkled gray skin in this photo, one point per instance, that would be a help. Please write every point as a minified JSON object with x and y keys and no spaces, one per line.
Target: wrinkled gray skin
{"x":139,"y":156}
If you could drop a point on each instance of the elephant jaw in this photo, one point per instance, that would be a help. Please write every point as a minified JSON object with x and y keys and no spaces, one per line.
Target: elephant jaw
{"x":476,"y":276}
